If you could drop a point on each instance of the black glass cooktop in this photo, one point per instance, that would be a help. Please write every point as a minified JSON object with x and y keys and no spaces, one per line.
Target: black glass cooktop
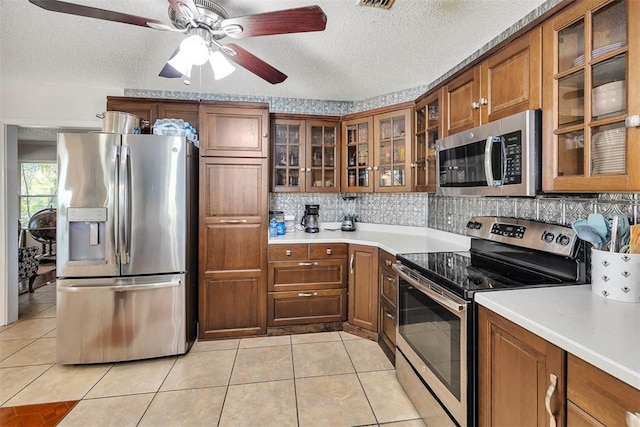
{"x":466,"y":272}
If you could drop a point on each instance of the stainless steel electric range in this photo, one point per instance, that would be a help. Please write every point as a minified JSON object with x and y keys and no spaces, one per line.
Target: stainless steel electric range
{"x":436,"y":357}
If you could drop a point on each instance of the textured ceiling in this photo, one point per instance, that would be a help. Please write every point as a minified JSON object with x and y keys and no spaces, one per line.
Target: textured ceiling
{"x":363,"y":52}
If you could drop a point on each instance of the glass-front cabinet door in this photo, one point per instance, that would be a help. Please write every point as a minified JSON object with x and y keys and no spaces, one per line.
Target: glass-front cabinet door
{"x":322,"y":157}
{"x":357,"y":158}
{"x":392,"y":151}
{"x":427,"y":122}
{"x":287,"y":155}
{"x":595,"y":81}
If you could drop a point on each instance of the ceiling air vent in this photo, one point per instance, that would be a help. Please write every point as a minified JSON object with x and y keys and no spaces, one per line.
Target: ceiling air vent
{"x":382,"y":4}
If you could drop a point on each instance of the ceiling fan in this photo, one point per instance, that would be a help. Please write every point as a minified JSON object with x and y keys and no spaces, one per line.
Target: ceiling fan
{"x":205,"y":23}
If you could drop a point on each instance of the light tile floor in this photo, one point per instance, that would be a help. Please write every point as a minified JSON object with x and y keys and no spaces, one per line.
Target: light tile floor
{"x":322,"y":379}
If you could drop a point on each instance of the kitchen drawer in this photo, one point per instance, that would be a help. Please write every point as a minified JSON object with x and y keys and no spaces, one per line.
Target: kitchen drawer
{"x":598,"y":394}
{"x":388,"y":286}
{"x":388,"y":324}
{"x":386,"y":260}
{"x":288,"y":252}
{"x":313,"y":306}
{"x":327,"y":250}
{"x":304,"y":275}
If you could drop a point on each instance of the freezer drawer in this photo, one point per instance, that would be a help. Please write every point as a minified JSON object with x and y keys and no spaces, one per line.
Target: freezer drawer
{"x":109,"y":320}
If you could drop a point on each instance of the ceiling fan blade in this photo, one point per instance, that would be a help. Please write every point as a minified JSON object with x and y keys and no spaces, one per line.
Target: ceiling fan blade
{"x":168,"y":71}
{"x":300,"y":20}
{"x":254,"y":64}
{"x":92,"y":12}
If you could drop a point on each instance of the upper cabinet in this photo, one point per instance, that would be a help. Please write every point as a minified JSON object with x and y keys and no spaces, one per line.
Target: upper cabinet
{"x":153,"y":109}
{"x":428,"y":131}
{"x":376,"y":152}
{"x":592,"y":77}
{"x":234,"y":131}
{"x":507,"y":82}
{"x":305,"y":155}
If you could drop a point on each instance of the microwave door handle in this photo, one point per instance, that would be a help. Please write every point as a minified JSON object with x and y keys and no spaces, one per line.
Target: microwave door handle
{"x":488,"y":164}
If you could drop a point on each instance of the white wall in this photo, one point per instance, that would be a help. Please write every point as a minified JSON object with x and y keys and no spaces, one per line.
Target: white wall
{"x":28,"y":104}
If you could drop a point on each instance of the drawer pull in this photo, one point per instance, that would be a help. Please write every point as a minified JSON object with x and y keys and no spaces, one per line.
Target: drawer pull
{"x":233,"y":221}
{"x":553,"y":381}
{"x":328,"y":251}
{"x":307,"y":294}
{"x":287,"y":252}
{"x":389,"y":315}
{"x":307,"y":264}
{"x":351,"y":263}
{"x":386,"y":261}
{"x":391,"y":279}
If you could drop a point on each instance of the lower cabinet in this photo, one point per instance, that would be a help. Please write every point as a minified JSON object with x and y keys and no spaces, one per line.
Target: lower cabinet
{"x":363,"y":287}
{"x":307,"y":284}
{"x":517,"y":371}
{"x":595,"y":398}
{"x":387,"y":314}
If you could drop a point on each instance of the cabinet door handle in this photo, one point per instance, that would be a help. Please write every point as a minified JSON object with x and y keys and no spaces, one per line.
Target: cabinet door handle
{"x":553,"y":382}
{"x":287,"y":252}
{"x":390,"y":279}
{"x":484,"y":101}
{"x":375,"y":168}
{"x":389,"y":315}
{"x":233,"y":221}
{"x":351,"y":263}
{"x":307,"y":264}
{"x":389,"y":263}
{"x":475,"y":105}
{"x":329,"y":251}
{"x":307,"y":294}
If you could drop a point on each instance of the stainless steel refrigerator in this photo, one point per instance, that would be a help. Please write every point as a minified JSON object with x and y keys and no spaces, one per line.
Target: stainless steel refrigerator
{"x":126,"y":247}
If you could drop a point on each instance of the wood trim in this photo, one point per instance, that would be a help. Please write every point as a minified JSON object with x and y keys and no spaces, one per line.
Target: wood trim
{"x":377,"y":111}
{"x":289,"y":116}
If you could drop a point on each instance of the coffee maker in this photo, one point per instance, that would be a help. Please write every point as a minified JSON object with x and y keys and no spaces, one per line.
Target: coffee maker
{"x":349,"y":219}
{"x":310,"y":219}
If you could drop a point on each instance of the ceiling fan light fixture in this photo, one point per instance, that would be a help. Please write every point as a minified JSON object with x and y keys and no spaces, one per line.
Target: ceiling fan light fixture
{"x":195,"y":48}
{"x":220,"y":65}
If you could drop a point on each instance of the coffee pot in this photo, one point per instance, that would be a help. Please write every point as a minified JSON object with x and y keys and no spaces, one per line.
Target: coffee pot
{"x":349,"y":220}
{"x":310,"y":219}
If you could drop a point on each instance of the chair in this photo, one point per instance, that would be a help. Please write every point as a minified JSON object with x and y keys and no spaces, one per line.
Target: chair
{"x":28,"y":265}
{"x":27,"y":261}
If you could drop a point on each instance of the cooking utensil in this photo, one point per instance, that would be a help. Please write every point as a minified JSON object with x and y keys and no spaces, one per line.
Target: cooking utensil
{"x":614,"y":244}
{"x":587,"y":233}
{"x":624,"y":230}
{"x":599,"y":223}
{"x":120,"y":122}
{"x":634,"y":241}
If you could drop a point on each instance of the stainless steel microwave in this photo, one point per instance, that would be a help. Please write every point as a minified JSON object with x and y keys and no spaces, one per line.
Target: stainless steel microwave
{"x":501,"y":158}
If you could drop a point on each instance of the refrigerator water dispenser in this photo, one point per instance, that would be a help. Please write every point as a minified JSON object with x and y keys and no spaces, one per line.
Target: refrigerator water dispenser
{"x":87,"y":233}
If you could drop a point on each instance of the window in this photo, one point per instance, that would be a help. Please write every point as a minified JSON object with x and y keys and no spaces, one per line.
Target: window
{"x":38,"y":187}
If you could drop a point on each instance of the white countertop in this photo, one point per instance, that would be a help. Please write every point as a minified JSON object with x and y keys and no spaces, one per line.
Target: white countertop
{"x":603,"y":332}
{"x":391,"y":238}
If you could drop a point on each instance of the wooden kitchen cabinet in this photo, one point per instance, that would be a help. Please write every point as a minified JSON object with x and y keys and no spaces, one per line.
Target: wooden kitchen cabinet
{"x":376,"y":154}
{"x":427,"y":132}
{"x":387,"y":283}
{"x":151,"y":109}
{"x":507,"y":82}
{"x":363,"y":287}
{"x":592,"y":78}
{"x":515,"y":372}
{"x":233,"y":247}
{"x":240,"y":130}
{"x":307,"y":284}
{"x":595,"y":398}
{"x":305,"y":154}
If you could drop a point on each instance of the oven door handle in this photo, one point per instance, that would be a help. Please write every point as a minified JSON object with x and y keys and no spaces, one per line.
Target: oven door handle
{"x":440,"y":298}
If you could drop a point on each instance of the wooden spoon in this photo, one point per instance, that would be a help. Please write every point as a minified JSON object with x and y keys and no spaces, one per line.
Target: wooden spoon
{"x":634,"y":240}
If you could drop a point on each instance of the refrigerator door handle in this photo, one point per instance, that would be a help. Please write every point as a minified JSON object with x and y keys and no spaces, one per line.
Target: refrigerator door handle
{"x":119,"y":288}
{"x":124,"y":206}
{"x":116,"y":202}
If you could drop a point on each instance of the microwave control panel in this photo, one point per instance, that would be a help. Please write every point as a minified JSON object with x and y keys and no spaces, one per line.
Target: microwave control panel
{"x":513,"y":158}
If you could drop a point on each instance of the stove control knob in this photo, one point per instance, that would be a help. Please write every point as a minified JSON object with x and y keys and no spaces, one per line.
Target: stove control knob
{"x":474,"y":225}
{"x":548,"y":237}
{"x":563,"y":240}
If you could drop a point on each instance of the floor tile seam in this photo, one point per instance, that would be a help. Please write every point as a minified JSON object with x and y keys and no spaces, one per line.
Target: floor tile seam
{"x":270,"y":346}
{"x":175,"y":360}
{"x":25,"y":386}
{"x":86,"y":398}
{"x":326,"y":375}
{"x":192,"y":388}
{"x":386,"y":423}
{"x":96,"y":383}
{"x":361,"y":385}
{"x":27,"y":366}
{"x":22,"y":348}
{"x":261,"y":382}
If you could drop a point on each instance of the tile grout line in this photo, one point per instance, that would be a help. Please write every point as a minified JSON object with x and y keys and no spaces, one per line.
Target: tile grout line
{"x":226,"y":389}
{"x":375,"y":417}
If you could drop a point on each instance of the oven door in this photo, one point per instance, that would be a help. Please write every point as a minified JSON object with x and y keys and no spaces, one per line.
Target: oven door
{"x":432,"y":335}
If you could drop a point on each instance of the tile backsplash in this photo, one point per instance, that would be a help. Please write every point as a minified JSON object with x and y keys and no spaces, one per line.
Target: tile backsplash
{"x":452,"y":213}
